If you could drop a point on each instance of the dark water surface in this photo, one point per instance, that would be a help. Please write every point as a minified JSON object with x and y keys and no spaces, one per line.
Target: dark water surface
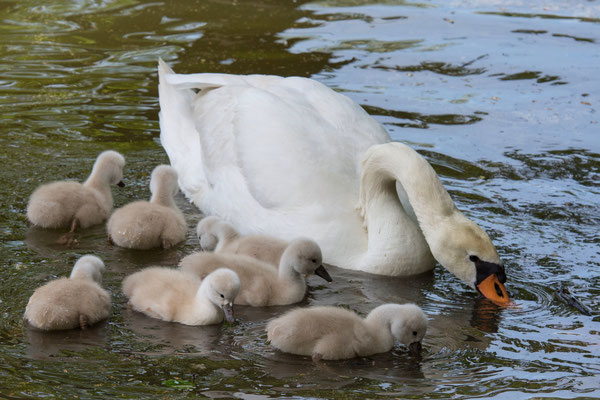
{"x":501,"y":97}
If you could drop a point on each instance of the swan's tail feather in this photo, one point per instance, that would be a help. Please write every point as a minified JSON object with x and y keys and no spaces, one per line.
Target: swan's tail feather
{"x":178,"y":135}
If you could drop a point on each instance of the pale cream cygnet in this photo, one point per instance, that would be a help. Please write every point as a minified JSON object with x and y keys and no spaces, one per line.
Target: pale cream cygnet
{"x":180,"y":296}
{"x":218,"y":236}
{"x":335,"y":333}
{"x":70,"y":204}
{"x":154,"y":223}
{"x":76,"y":301}
{"x":263,"y":284}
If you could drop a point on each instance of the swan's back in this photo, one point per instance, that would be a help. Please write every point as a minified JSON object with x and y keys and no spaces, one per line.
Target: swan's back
{"x":264,"y":137}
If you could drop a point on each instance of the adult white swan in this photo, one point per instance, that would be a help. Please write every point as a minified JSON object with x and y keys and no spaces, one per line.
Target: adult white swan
{"x":290,"y":157}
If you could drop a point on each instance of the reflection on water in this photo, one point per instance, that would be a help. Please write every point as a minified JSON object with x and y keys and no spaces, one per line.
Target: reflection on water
{"x":498,"y":96}
{"x":43,"y":345}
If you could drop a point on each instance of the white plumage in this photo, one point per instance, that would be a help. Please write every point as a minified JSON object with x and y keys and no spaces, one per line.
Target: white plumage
{"x":291,"y":158}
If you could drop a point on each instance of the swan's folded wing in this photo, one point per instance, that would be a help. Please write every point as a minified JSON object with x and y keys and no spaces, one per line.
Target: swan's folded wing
{"x":178,"y":135}
{"x":283,"y":153}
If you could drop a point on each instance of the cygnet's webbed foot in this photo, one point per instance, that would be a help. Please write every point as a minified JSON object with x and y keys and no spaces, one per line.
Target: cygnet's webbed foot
{"x":110,"y":240}
{"x":166,"y":244}
{"x":68,"y":239}
{"x":321,"y":365}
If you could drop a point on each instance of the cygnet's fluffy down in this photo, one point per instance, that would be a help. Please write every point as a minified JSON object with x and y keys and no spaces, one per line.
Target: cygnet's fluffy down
{"x":70,"y":204}
{"x":334,"y":333}
{"x":218,"y":236}
{"x":180,"y":296}
{"x":261,"y":283}
{"x":66,"y":303}
{"x":157,"y":223}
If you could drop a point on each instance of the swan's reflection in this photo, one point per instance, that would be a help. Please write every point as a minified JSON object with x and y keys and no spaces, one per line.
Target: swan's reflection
{"x":486,"y":315}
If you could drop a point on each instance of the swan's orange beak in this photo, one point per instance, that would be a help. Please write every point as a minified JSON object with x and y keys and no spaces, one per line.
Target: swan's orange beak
{"x":492,"y":289}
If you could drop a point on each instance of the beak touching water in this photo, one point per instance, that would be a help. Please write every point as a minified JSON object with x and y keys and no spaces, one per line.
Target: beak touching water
{"x":228,"y":310}
{"x":415,"y":348}
{"x":322,"y":272}
{"x":494,"y":290}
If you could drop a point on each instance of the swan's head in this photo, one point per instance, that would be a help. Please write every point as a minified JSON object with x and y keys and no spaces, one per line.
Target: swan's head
{"x":222,"y":286}
{"x":206,"y":233}
{"x":466,"y":250}
{"x":409,"y":325}
{"x":164,"y":177}
{"x":109,"y":165}
{"x":88,"y":267}
{"x":305,"y":256}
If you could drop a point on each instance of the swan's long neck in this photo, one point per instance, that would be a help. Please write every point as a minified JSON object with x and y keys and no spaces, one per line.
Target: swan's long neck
{"x":392,"y":229}
{"x":391,"y":163}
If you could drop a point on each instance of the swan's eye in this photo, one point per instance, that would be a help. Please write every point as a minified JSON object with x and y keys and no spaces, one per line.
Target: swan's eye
{"x":414,"y":333}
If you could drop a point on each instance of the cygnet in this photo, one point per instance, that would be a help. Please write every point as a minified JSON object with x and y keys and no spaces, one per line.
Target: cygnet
{"x":180,"y":296}
{"x":335,"y":333}
{"x":70,"y":204}
{"x":66,"y":303}
{"x":154,"y":223}
{"x":261,"y":283}
{"x":218,"y":236}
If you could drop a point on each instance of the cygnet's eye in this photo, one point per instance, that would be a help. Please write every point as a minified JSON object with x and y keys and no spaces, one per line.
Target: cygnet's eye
{"x":314,"y":260}
{"x":414,"y":333}
{"x":224,"y":297}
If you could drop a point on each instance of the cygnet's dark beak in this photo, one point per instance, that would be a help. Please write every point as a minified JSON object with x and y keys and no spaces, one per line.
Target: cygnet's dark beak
{"x":323,"y":273}
{"x":120,"y":184}
{"x":415,"y":348}
{"x":228,"y":310}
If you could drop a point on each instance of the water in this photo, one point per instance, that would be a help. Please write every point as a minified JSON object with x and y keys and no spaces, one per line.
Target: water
{"x":501,"y":97}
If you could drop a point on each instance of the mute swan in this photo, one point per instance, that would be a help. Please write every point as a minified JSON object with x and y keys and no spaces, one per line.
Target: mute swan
{"x":263,"y":284}
{"x":218,"y":236}
{"x":66,"y":303}
{"x":335,"y":333}
{"x":291,"y":157}
{"x":71,"y":204}
{"x":180,"y":296}
{"x":143,"y":224}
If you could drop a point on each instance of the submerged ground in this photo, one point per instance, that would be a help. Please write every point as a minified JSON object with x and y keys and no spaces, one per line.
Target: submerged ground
{"x":501,"y":97}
